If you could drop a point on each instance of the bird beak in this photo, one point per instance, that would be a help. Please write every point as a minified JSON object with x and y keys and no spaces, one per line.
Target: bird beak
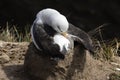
{"x":64,"y":34}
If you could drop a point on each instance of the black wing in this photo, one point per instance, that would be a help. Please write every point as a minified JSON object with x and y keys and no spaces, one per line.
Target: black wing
{"x":82,"y":36}
{"x":45,"y":42}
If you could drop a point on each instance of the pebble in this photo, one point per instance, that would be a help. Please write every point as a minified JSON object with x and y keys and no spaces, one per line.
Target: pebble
{"x":4,"y":58}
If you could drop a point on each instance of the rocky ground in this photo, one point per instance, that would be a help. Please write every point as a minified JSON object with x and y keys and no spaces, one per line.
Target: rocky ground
{"x":12,"y":61}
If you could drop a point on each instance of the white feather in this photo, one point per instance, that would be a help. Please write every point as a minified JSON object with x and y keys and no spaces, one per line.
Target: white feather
{"x":32,"y":35}
{"x":63,"y":42}
{"x":58,"y":22}
{"x":53,"y":18}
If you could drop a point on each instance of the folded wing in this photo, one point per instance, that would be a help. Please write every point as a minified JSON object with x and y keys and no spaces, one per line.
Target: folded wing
{"x":80,"y":36}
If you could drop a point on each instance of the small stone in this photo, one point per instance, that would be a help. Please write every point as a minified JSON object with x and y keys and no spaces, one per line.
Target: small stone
{"x":1,"y":44}
{"x":4,"y":58}
{"x":117,"y":69}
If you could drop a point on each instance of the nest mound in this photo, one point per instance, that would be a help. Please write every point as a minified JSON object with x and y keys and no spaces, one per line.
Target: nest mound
{"x":20,"y":61}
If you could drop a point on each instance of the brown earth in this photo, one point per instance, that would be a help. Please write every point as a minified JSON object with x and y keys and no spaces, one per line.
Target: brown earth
{"x":12,"y":65}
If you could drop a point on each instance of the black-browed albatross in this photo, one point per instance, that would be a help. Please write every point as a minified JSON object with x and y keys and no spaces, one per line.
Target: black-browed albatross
{"x":53,"y":34}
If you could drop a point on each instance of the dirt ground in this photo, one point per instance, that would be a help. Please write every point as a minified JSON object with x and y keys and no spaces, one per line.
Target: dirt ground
{"x":12,"y":60}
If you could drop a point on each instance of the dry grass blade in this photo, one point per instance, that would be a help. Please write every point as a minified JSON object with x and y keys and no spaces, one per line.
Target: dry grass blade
{"x":96,"y":30}
{"x":107,"y":51}
{"x":13,"y":35}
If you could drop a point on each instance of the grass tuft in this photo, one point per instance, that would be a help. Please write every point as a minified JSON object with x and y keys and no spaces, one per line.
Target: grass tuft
{"x":105,"y":49}
{"x":13,"y":34}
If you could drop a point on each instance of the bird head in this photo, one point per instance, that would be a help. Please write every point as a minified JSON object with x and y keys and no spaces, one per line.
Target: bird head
{"x":54,"y":19}
{"x":60,"y":24}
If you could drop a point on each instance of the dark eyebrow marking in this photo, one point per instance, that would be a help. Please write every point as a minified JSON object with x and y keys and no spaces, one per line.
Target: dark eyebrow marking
{"x":59,"y":28}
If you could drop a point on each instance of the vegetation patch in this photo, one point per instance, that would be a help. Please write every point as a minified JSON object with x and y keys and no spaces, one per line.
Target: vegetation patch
{"x":13,"y":34}
{"x":104,"y":49}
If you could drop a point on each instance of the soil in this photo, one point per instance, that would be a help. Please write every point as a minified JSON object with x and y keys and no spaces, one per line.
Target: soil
{"x":12,"y":56}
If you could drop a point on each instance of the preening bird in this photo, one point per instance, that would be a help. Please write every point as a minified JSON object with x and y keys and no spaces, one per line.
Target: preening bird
{"x":55,"y":36}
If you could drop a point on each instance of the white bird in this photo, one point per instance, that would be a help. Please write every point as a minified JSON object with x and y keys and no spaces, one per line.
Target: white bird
{"x":53,"y":34}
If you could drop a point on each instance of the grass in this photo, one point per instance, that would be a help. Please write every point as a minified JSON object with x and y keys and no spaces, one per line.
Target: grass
{"x":107,"y":51}
{"x":104,"y":50}
{"x":13,"y":34}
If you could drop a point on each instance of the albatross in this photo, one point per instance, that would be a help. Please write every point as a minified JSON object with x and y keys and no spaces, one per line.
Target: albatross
{"x":55,"y":36}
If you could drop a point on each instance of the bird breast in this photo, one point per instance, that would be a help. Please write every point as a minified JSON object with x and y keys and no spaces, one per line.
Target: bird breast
{"x":64,"y":43}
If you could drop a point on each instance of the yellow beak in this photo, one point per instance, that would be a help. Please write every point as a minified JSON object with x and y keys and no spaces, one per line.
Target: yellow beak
{"x":64,"y":34}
